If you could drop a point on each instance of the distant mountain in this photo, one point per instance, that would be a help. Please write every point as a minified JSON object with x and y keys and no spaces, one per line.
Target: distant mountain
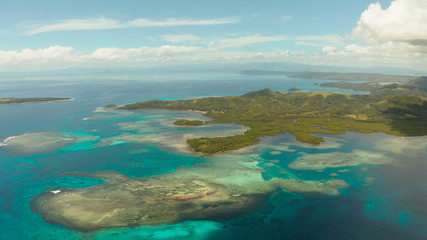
{"x":372,"y":77}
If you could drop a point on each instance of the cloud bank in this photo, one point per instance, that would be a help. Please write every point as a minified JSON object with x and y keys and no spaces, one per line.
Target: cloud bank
{"x":58,"y":57}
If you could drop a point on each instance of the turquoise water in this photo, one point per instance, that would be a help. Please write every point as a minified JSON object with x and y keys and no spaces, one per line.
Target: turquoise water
{"x":383,"y":201}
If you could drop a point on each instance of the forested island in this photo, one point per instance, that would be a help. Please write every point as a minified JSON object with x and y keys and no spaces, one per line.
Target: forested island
{"x":110,"y":106}
{"x":32,"y":100}
{"x":397,"y":110}
{"x":188,"y":123}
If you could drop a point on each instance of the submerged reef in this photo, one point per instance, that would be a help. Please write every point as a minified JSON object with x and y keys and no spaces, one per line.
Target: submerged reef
{"x":206,"y":191}
{"x":37,"y":142}
{"x":339,"y":159}
{"x":148,"y":201}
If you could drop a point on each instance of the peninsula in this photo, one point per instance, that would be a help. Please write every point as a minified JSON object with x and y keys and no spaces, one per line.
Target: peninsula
{"x":32,"y":100}
{"x":401,"y":111}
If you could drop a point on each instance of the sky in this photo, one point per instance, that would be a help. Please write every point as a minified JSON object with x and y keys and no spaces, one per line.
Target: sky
{"x":50,"y":35}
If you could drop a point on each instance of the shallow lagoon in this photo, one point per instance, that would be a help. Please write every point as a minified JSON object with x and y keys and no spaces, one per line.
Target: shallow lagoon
{"x":382,"y":202}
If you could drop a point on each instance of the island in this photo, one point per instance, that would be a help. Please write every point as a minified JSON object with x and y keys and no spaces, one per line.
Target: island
{"x":32,"y":100}
{"x":110,"y":106}
{"x":294,"y":90}
{"x":373,"y":77}
{"x":400,"y":111}
{"x":189,"y":123}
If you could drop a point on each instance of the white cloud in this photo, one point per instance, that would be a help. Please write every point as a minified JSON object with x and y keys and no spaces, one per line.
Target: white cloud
{"x":403,"y":21}
{"x":180,"y":38}
{"x":137,"y":54}
{"x":397,"y":50}
{"x":40,"y":59}
{"x":319,"y":41}
{"x":144,"y":22}
{"x":392,"y":37}
{"x":302,"y":43}
{"x":390,"y":54}
{"x":77,"y":24}
{"x":40,"y":55}
{"x":58,"y":57}
{"x":286,"y":19}
{"x":104,"y":23}
{"x":248,"y":40}
{"x":323,"y":38}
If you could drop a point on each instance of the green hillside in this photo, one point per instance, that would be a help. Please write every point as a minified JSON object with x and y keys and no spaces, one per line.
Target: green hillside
{"x":267,"y":112}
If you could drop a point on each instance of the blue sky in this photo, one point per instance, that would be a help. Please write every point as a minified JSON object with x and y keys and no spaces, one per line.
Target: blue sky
{"x":47,"y":35}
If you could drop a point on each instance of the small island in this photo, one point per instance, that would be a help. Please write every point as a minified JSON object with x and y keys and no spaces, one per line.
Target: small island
{"x":110,"y":106}
{"x":189,"y":123}
{"x":32,"y":100}
{"x":400,"y":111}
{"x":294,"y":90}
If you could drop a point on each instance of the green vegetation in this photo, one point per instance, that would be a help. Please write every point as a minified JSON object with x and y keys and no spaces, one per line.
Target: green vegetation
{"x":416,"y":88}
{"x":267,"y":112}
{"x":420,"y":83}
{"x":32,"y":100}
{"x":372,"y":77}
{"x":189,"y":123}
{"x":110,"y":106}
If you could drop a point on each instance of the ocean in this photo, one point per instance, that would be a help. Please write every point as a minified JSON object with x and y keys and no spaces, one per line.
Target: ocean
{"x":384,"y":200}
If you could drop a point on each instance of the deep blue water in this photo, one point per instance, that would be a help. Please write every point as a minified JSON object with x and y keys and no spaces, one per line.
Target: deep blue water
{"x":392,"y":206}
